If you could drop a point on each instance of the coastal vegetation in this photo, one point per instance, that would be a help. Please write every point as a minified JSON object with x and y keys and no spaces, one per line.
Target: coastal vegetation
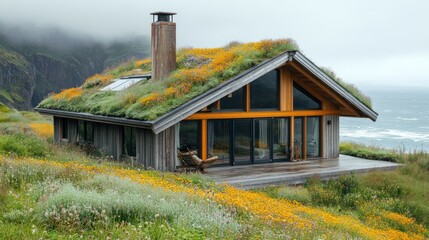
{"x":56,"y":192}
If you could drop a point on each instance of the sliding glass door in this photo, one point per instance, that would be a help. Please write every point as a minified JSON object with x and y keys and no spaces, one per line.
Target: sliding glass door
{"x":262,"y":140}
{"x":219,"y":141}
{"x":242,"y":140}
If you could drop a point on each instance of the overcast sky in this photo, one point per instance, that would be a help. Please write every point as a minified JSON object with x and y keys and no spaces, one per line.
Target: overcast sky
{"x":365,"y":42}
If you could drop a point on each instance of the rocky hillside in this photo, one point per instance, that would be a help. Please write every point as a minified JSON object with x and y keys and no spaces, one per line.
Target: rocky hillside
{"x":30,"y":70}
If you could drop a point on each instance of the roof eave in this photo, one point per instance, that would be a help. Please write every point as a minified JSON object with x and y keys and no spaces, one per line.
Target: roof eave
{"x":316,"y":71}
{"x":96,"y":118}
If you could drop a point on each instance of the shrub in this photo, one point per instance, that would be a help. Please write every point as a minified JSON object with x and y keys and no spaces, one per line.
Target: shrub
{"x":21,"y":144}
{"x":104,"y":200}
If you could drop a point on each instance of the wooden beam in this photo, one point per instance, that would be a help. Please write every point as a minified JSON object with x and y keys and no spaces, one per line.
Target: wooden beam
{"x":268,"y":114}
{"x":292,"y":136}
{"x":286,"y":90}
{"x":322,"y":137}
{"x":247,"y":102}
{"x":304,"y":138}
{"x":321,"y":85}
{"x":204,"y":139}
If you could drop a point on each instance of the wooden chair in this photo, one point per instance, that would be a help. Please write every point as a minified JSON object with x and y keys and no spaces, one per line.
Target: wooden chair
{"x":191,"y":162}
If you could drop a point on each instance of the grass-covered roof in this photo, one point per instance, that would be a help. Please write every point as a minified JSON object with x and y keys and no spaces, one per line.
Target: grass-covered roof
{"x":198,"y":70}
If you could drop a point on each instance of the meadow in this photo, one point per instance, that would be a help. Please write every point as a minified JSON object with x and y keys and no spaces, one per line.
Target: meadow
{"x":56,"y":192}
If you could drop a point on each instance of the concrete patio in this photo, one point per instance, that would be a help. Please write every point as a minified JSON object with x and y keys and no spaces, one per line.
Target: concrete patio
{"x":262,"y":175}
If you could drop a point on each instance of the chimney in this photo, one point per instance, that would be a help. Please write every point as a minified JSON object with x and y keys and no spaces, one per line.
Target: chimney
{"x":163,"y":45}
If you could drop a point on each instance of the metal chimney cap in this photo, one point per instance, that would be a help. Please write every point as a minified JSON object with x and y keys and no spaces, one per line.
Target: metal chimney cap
{"x":163,"y":16}
{"x":163,"y":13}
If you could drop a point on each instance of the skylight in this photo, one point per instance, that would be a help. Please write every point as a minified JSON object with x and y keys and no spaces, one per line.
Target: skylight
{"x":121,"y":84}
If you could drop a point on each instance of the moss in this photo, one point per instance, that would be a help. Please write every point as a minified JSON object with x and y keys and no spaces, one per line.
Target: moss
{"x":198,"y":70}
{"x":352,"y":89}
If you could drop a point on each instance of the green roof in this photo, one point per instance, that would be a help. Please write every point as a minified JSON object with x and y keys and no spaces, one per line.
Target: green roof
{"x":198,"y":70}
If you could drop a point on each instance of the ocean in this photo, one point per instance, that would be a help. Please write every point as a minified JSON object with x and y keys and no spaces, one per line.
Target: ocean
{"x":403,"y":120}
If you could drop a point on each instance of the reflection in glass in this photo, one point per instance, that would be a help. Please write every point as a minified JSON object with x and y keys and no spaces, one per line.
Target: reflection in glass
{"x":218,"y":140}
{"x":242,"y":140}
{"x":281,"y":138}
{"x":189,"y":136}
{"x":303,"y":100}
{"x":264,"y":91}
{"x":262,"y":140}
{"x":234,"y":101}
{"x":129,"y":140}
{"x":298,"y":138}
{"x":313,"y":137}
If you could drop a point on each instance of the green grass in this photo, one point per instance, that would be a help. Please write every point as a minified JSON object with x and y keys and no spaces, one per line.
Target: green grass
{"x":352,"y":89}
{"x":404,"y":191}
{"x":46,"y":202}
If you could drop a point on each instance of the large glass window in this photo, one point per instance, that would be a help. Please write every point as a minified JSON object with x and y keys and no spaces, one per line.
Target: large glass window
{"x":189,"y":136}
{"x":86,"y":132}
{"x":303,"y":100}
{"x":218,"y":134}
{"x":234,"y":101}
{"x":264,"y":91}
{"x":281,"y":138}
{"x":313,"y":137}
{"x":242,"y":140}
{"x":129,"y":140}
{"x":261,"y":152}
{"x":298,"y":138}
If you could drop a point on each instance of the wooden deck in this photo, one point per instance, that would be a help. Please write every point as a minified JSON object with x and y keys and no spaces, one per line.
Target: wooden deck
{"x":262,"y":175}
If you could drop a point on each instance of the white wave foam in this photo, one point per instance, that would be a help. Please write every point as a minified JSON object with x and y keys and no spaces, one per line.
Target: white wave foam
{"x":388,"y":133}
{"x":407,"y":119}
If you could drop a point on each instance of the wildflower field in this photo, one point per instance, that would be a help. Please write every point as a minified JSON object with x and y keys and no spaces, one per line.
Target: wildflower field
{"x":64,"y":193}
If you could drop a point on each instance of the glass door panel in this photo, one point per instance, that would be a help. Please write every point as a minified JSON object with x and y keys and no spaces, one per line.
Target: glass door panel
{"x":242,"y":141}
{"x":218,"y":141}
{"x":262,"y":133}
{"x":298,"y":138}
{"x":281,"y":138}
{"x":313,"y":137}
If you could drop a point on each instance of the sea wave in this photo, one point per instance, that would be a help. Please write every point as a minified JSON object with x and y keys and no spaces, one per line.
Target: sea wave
{"x":386,"y":133}
{"x":407,"y":119}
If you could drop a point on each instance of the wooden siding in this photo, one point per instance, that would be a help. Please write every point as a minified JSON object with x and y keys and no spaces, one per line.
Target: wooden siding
{"x":145,"y":147}
{"x":73,"y":130}
{"x":108,"y":139}
{"x":157,"y":151}
{"x":57,"y":124}
{"x":331,"y":136}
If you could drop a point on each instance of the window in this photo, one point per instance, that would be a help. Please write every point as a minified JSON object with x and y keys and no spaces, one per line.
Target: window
{"x":189,"y":136}
{"x":264,"y":91}
{"x":298,"y":138}
{"x":303,"y":100}
{"x":262,"y":141}
{"x":313,"y":137}
{"x":242,"y":139}
{"x":129,"y":140}
{"x":86,"y":132}
{"x":234,"y":101}
{"x":219,"y":139}
{"x":64,"y":128}
{"x":281,"y":138}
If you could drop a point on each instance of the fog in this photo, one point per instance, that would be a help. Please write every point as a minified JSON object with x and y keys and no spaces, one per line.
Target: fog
{"x":368,"y":43}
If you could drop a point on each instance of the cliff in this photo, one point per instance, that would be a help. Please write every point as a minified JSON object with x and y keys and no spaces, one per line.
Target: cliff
{"x":29,"y":71}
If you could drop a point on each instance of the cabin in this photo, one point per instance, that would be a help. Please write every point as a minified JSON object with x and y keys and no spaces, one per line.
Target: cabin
{"x":279,"y":107}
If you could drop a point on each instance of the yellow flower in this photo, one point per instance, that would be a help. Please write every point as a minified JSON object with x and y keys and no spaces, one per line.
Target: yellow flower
{"x":69,"y":94}
{"x":43,"y":130}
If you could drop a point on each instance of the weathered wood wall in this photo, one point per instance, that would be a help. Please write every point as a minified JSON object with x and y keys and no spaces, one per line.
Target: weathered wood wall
{"x":156,"y":151}
{"x":108,"y":139}
{"x":57,"y":123}
{"x":331,"y":137}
